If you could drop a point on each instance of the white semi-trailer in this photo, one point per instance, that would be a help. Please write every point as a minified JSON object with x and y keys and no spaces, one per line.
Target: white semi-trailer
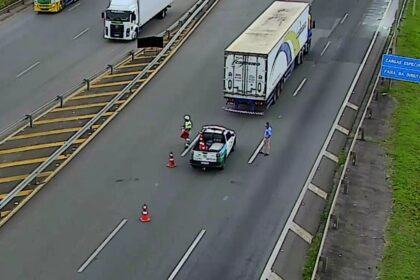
{"x":124,"y":18}
{"x":261,"y":59}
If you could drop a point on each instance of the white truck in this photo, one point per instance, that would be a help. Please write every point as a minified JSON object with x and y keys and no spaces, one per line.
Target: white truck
{"x":124,"y":18}
{"x":261,"y":59}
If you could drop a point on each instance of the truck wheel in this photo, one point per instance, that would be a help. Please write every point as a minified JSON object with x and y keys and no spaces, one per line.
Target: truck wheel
{"x":306,"y":48}
{"x":299,"y":58}
{"x":162,"y":14}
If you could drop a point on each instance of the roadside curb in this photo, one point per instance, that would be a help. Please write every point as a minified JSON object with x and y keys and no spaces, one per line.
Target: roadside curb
{"x":13,"y":9}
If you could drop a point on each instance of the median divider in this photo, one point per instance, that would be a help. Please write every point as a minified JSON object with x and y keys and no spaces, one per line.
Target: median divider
{"x":55,"y":130}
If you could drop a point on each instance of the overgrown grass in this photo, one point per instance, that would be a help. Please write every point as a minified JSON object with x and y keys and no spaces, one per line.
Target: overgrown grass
{"x":312,"y":254}
{"x":313,"y":250}
{"x":4,"y":3}
{"x":342,"y":157}
{"x":402,"y":251}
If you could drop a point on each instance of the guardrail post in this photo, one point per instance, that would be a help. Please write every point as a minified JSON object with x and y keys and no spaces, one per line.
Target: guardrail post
{"x":111,"y":68}
{"x":322,"y":265}
{"x":31,"y":122}
{"x":353,"y":158}
{"x":369,"y":113}
{"x":334,"y":219}
{"x":60,"y":98}
{"x":362,"y":134}
{"x":132,"y":55}
{"x":87,"y":81}
{"x":345,"y":183}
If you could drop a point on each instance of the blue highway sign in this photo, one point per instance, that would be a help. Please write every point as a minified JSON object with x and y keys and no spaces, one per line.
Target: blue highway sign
{"x":400,"y":68}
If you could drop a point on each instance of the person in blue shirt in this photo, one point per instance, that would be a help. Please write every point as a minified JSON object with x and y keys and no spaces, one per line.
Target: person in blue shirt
{"x":268,"y":132}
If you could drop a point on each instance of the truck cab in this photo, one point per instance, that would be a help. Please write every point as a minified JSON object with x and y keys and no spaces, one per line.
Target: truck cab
{"x":124,"y":18}
{"x":121,"y":20}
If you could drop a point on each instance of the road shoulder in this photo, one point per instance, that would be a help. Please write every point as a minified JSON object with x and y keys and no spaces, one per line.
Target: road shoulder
{"x":355,"y":248}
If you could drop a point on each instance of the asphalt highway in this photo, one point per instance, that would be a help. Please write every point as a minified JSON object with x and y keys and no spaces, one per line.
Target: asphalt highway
{"x":43,"y":55}
{"x":243,"y":208}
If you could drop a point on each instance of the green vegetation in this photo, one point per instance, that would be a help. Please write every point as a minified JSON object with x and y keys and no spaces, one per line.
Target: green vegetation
{"x":402,"y":252}
{"x":342,"y":157}
{"x":314,"y":249}
{"x":4,"y":3}
{"x":312,"y":254}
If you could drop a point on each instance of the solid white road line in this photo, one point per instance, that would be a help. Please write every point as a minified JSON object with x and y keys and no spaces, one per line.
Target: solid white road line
{"x":102,"y":246}
{"x":325,"y":48}
{"x":187,"y":254}
{"x":192,"y":144}
{"x":28,"y":69}
{"x":344,"y":18}
{"x":299,"y":87}
{"x":81,"y":33}
{"x":256,"y":152}
{"x":74,"y":7}
{"x":279,"y":244}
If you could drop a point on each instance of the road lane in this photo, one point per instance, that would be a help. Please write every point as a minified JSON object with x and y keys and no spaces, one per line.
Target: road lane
{"x":64,"y":54}
{"x":125,"y":167}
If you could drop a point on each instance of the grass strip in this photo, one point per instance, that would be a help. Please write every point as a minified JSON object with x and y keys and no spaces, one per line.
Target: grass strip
{"x":402,"y":251}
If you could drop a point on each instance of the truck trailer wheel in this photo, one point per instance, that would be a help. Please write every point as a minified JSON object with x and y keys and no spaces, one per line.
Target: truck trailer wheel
{"x":162,"y":14}
{"x":299,"y":58}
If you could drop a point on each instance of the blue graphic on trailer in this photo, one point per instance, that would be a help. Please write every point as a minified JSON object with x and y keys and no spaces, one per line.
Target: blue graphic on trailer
{"x":400,"y":68}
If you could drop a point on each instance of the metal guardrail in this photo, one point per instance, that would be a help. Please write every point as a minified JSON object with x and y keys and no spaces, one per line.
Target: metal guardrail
{"x":353,"y":142}
{"x":185,"y":22}
{"x":27,"y":119}
{"x":13,"y":5}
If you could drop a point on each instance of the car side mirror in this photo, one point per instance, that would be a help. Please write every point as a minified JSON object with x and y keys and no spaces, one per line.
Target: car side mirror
{"x":313,"y":24}
{"x":103,"y":15}
{"x":133,"y":17}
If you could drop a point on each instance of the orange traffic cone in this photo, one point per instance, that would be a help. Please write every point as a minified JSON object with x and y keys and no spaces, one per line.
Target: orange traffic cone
{"x":145,"y":217}
{"x":171,"y":161}
{"x":201,"y":145}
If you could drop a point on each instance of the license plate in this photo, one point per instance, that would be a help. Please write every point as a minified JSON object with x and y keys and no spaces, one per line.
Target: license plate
{"x":204,"y":163}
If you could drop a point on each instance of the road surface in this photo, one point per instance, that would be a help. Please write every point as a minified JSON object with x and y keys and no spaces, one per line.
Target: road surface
{"x":44,"y":55}
{"x":243,"y":208}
